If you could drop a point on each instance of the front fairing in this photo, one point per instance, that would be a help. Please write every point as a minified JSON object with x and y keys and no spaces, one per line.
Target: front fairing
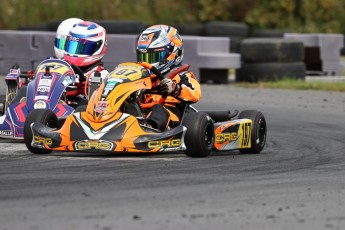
{"x":126,"y":79}
{"x":45,"y":90}
{"x":120,"y":134}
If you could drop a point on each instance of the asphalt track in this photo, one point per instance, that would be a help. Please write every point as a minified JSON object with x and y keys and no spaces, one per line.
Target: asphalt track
{"x":297,"y":182}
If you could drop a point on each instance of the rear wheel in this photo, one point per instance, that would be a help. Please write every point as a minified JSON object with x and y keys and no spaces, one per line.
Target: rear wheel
{"x":259,"y":130}
{"x":46,"y":117}
{"x":10,"y":93}
{"x":199,"y":137}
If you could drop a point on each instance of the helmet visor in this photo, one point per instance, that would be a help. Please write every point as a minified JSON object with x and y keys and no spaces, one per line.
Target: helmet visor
{"x":81,"y":47}
{"x":60,"y":43}
{"x":151,"y":57}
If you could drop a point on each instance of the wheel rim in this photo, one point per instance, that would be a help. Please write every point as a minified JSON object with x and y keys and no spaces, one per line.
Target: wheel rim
{"x":208,"y":135}
{"x":261,"y":132}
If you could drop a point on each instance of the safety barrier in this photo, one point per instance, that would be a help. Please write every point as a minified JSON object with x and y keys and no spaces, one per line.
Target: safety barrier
{"x":322,"y":52}
{"x":29,"y":48}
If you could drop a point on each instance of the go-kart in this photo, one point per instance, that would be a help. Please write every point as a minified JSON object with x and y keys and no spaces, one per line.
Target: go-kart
{"x":113,"y":121}
{"x":48,"y":89}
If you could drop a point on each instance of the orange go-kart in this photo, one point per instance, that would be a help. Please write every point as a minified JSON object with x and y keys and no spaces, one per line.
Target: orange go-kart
{"x":113,"y":121}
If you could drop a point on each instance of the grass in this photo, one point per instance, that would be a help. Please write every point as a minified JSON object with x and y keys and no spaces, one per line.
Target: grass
{"x":338,"y":86}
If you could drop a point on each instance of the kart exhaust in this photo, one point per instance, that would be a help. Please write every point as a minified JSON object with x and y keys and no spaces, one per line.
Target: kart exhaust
{"x":219,"y":116}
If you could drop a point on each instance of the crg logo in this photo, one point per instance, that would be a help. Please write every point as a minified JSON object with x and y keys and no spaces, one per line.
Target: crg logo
{"x":94,"y":144}
{"x":164,"y":143}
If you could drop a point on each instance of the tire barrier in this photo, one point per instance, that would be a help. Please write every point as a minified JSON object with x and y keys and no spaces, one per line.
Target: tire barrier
{"x":122,"y":27}
{"x":254,"y":72}
{"x":260,"y":50}
{"x":209,"y":57}
{"x":236,"y":31}
{"x":270,"y":59}
{"x":196,"y":29}
{"x":268,"y":33}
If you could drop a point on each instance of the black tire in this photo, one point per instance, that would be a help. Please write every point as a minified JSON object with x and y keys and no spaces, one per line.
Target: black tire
{"x":11,"y":93}
{"x":44,"y":116}
{"x":235,"y":44}
{"x":81,"y":108}
{"x":262,"y":50}
{"x":251,"y":72}
{"x":20,"y":94}
{"x":259,"y":130}
{"x":121,"y":27}
{"x":217,"y":76}
{"x":226,"y":29}
{"x":52,"y":25}
{"x":2,"y":110}
{"x":199,"y":138}
{"x":268,"y":33}
{"x":197,"y":29}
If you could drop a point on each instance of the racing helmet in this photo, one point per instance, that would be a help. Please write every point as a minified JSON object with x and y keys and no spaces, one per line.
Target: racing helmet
{"x":161,"y":46}
{"x":86,"y":44}
{"x":61,"y":34}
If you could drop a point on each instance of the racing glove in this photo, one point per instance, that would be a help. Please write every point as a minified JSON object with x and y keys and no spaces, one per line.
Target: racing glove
{"x":169,"y":87}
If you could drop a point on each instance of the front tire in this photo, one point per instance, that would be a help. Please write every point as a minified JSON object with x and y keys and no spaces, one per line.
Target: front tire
{"x":258,"y":132}
{"x":199,"y":138}
{"x":44,"y":116}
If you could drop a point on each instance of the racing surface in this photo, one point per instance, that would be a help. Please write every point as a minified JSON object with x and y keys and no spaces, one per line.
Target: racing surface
{"x":297,"y":182}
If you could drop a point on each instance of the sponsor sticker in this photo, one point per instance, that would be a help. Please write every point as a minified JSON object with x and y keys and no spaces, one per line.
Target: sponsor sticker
{"x":45,"y":82}
{"x":6,"y":132}
{"x":40,"y":105}
{"x":164,"y":143}
{"x":43,"y":89}
{"x":94,"y":144}
{"x":101,"y":107}
{"x":67,"y":81}
{"x":41,"y":97}
{"x":14,"y":71}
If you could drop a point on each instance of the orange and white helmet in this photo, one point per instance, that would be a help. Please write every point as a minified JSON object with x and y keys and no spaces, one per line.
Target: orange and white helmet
{"x":86,"y":44}
{"x":61,"y":35}
{"x":161,"y":46}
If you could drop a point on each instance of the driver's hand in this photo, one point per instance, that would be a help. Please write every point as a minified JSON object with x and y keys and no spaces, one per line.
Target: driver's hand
{"x":169,"y":87}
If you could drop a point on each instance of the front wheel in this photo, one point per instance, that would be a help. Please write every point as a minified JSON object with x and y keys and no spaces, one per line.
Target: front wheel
{"x":258,"y":132}
{"x":199,"y":137}
{"x":44,"y":116}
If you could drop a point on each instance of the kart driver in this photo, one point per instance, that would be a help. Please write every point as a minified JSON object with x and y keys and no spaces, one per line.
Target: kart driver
{"x":85,"y":46}
{"x":59,"y":47}
{"x":82,"y":44}
{"x":162,"y":46}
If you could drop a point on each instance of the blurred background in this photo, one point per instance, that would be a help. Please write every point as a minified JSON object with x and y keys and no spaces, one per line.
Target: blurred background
{"x":317,"y":16}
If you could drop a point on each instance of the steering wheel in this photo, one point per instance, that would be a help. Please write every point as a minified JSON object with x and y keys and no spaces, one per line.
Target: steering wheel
{"x":160,"y":76}
{"x":79,"y":72}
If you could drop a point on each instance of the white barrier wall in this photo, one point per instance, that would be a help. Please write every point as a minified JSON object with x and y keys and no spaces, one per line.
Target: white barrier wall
{"x":330,"y":46}
{"x":29,"y":48}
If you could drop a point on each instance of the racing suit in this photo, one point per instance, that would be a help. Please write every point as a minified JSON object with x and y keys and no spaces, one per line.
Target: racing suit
{"x":187,"y":90}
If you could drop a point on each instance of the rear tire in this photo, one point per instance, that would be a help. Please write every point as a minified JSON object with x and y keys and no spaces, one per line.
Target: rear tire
{"x":46,"y":117}
{"x":259,"y":130}
{"x":11,"y":92}
{"x":199,"y":138}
